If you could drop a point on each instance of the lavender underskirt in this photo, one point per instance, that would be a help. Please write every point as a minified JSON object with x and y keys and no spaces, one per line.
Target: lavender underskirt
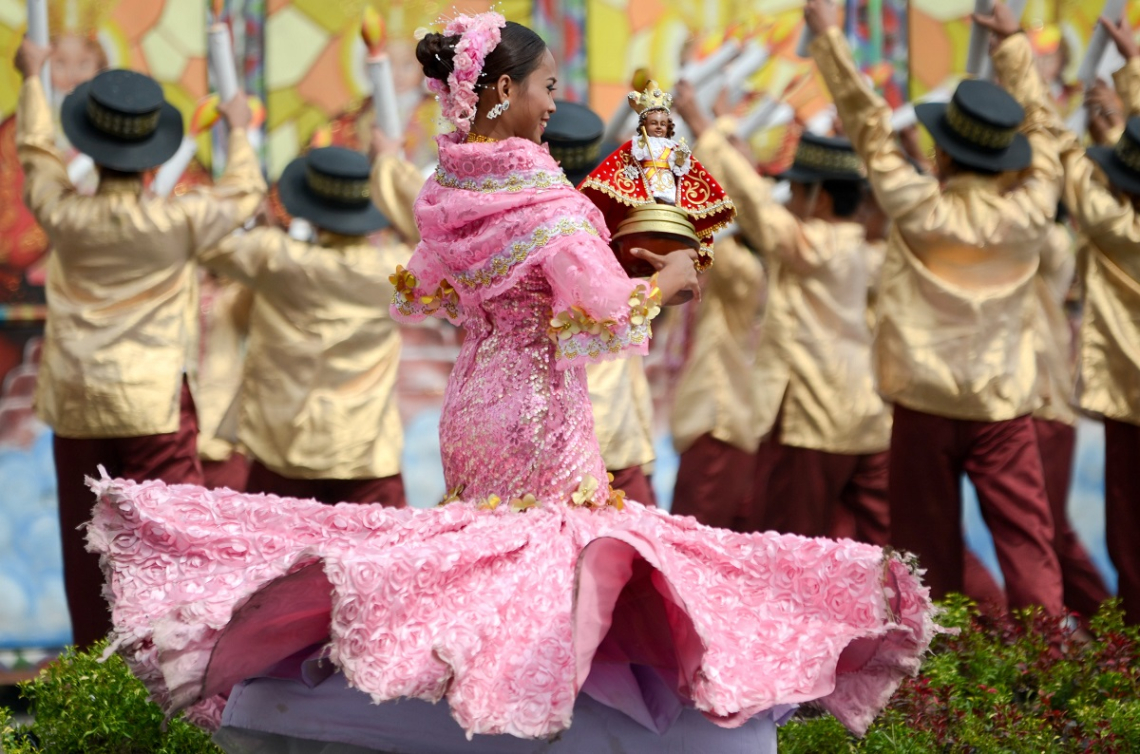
{"x":305,"y":707}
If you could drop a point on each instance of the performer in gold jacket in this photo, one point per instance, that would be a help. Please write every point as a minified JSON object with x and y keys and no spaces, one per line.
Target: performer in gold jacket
{"x":318,"y":407}
{"x":1105,"y":202}
{"x":954,"y":348}
{"x":813,"y":391}
{"x":1055,"y":420}
{"x":121,"y":294}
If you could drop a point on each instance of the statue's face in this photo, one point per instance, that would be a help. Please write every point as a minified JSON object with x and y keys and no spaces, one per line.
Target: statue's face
{"x":74,"y":60}
{"x":657,"y":123}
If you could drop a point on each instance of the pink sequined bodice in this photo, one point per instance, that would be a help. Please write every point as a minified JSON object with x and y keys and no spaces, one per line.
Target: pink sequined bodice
{"x":512,"y":252}
{"x":512,"y":422}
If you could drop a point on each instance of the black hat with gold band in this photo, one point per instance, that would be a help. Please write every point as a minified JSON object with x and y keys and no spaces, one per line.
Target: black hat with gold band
{"x":574,"y":133}
{"x":978,"y":127}
{"x":824,"y":158}
{"x":329,"y":187}
{"x":1121,"y":163}
{"x":121,"y":121}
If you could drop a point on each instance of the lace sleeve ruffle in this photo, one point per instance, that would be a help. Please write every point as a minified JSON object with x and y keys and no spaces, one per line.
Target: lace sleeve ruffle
{"x":599,"y":312}
{"x":422,"y":291}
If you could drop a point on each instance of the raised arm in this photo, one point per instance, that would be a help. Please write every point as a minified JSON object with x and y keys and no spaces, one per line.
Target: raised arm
{"x":48,"y":191}
{"x":1040,"y":190}
{"x":214,"y":212}
{"x":909,"y":198}
{"x":395,"y":185}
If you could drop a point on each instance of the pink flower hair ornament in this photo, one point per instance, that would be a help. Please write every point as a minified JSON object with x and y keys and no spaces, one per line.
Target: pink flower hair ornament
{"x":458,"y":97}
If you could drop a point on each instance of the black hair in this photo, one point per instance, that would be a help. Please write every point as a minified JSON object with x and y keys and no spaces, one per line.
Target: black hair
{"x":846,"y":196}
{"x":517,"y":55}
{"x":641,"y":122}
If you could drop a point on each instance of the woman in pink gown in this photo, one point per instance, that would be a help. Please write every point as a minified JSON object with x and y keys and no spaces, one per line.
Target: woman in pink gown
{"x":534,"y":582}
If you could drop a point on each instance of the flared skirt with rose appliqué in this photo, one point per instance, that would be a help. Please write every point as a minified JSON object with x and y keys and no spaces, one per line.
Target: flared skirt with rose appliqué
{"x":508,"y":615}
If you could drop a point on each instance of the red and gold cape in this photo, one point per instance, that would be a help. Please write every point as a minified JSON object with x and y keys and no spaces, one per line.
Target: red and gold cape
{"x":617,"y":184}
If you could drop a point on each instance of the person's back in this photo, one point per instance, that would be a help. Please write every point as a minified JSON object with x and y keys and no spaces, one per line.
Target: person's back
{"x":121,"y":294}
{"x":955,"y":345}
{"x":318,"y":403}
{"x":121,"y":284}
{"x":319,"y":388}
{"x":1102,"y":188}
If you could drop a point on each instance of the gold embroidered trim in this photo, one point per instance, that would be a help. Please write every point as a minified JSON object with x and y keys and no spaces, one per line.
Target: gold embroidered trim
{"x":1128,"y":152}
{"x":576,"y":158}
{"x":644,"y":306}
{"x":976,"y":132}
{"x":514,"y":182}
{"x":822,"y":158}
{"x":712,"y":209}
{"x":576,"y":348}
{"x":122,"y":126}
{"x":502,"y":264}
{"x":339,"y":189}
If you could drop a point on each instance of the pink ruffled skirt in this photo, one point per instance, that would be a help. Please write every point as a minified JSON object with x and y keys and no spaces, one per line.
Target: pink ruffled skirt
{"x":508,"y":615}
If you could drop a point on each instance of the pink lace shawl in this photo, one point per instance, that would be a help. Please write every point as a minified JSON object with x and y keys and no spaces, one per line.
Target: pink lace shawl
{"x":496,"y":211}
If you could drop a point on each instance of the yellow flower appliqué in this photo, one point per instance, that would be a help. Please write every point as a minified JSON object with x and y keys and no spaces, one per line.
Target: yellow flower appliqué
{"x":444,"y":296}
{"x":489,"y":504}
{"x":526,"y":502}
{"x":617,"y":497}
{"x":584,"y":495}
{"x":453,"y":495}
{"x":404,"y":281}
{"x":645,"y":303}
{"x":567,"y":324}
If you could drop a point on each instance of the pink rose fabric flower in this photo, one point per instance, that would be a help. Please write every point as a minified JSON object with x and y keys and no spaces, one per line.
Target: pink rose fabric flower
{"x":458,"y":97}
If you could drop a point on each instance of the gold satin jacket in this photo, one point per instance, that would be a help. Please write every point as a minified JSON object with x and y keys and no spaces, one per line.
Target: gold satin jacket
{"x":623,"y":412}
{"x":715,"y":392}
{"x":224,"y":326}
{"x":121,"y":283}
{"x":955,"y":334}
{"x":318,"y":396}
{"x":814,"y":357}
{"x":1108,"y":372}
{"x":1055,"y":368}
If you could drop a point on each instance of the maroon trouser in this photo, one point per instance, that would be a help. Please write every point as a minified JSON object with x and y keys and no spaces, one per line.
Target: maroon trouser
{"x":1122,"y":510}
{"x":171,"y":457}
{"x":928,"y":457}
{"x":814,"y":493}
{"x":1084,"y":588}
{"x":231,"y":473}
{"x":979,"y":585}
{"x":714,"y":483}
{"x":636,"y":485}
{"x":387,"y":490}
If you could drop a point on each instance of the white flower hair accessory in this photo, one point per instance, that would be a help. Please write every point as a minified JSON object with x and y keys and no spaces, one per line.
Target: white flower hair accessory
{"x":478,"y":36}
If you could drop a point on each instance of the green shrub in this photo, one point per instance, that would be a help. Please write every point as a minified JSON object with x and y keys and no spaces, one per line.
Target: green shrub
{"x":1007,"y":685}
{"x":1000,"y":685}
{"x":82,"y":706}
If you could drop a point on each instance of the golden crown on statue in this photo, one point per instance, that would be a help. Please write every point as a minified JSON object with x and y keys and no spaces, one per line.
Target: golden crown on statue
{"x":650,"y":98}
{"x":78,"y":16}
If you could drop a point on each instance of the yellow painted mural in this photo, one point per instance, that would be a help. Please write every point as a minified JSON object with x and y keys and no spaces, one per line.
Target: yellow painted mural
{"x":315,"y":70}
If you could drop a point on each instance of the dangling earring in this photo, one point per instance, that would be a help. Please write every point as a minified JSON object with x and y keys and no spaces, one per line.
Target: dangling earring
{"x":498,"y":109}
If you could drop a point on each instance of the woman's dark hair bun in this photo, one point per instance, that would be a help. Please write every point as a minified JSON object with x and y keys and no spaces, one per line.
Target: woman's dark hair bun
{"x":436,"y":54}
